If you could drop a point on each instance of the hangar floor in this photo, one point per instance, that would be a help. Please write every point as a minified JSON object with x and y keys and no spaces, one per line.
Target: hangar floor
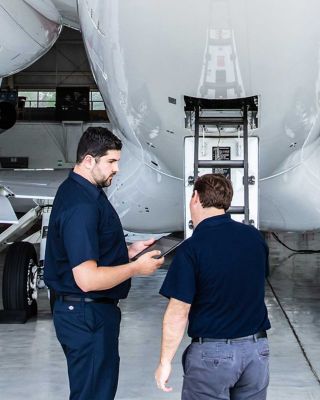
{"x":33,"y":366}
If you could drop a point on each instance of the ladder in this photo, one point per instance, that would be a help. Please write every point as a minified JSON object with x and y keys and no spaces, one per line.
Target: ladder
{"x":232,"y":115}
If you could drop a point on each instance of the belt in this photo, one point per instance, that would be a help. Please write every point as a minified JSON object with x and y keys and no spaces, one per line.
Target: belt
{"x":104,"y":300}
{"x":255,"y":337}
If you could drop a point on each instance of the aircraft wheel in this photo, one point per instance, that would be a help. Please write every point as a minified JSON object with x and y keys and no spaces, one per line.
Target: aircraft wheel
{"x":19,"y":285}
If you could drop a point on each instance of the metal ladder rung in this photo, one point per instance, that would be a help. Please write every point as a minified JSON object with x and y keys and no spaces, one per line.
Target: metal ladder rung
{"x":220,"y":121}
{"x":236,"y":210}
{"x":221,"y":163}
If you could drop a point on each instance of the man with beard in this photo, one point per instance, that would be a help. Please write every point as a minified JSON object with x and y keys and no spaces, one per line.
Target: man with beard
{"x":87,"y":266}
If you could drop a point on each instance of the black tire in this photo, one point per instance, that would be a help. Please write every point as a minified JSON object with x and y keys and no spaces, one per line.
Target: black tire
{"x":19,"y":278}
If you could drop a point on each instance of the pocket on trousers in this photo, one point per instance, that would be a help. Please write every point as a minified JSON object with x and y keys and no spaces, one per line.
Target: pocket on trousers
{"x":68,"y":322}
{"x":263,"y":348}
{"x":214,"y":358}
{"x":68,"y":310}
{"x":184,"y":359}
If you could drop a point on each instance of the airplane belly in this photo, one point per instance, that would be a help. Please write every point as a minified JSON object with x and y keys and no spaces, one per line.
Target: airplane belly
{"x":45,"y":8}
{"x":144,"y":53}
{"x":145,"y":199}
{"x":147,"y":55}
{"x":68,"y":9}
{"x":25,"y":35}
{"x":289,"y":198}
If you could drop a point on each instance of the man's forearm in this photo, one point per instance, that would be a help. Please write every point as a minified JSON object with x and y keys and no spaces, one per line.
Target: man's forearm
{"x":90,"y":277}
{"x":109,"y":277}
{"x":173,"y":330}
{"x":174,"y":324}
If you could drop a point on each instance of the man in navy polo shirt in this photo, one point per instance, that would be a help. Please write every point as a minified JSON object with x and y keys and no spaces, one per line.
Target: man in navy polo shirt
{"x":216,"y":280}
{"x":87,"y":265}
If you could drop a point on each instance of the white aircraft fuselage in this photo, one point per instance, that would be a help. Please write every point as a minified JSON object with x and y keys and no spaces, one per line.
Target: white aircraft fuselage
{"x":143,"y":52}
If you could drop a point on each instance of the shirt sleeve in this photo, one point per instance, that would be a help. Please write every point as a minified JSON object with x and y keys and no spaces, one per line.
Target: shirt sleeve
{"x":180,"y":282}
{"x":79,"y":231}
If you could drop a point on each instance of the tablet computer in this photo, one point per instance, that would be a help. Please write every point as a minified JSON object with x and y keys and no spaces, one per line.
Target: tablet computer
{"x":165,"y":244}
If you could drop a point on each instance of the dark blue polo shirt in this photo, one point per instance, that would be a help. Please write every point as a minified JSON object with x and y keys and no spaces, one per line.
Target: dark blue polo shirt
{"x":83,"y":226}
{"x":221,"y":272}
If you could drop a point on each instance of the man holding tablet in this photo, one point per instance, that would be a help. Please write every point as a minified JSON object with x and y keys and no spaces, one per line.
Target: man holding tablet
{"x":165,"y":245}
{"x":87,"y":265}
{"x":216,"y":281}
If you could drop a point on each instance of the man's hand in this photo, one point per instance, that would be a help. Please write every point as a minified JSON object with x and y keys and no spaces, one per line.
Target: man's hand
{"x":174,"y":324}
{"x":147,"y":264}
{"x":136,"y":247}
{"x":162,"y":375}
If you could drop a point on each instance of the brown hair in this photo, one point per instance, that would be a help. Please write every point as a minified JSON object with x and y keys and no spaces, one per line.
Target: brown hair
{"x":214,"y":190}
{"x":97,"y":141}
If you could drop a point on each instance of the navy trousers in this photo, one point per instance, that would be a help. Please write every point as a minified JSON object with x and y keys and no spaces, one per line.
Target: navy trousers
{"x":88,"y":334}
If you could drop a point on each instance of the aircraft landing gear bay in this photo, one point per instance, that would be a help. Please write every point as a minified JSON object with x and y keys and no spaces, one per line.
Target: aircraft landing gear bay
{"x":224,"y":147}
{"x":23,"y":273}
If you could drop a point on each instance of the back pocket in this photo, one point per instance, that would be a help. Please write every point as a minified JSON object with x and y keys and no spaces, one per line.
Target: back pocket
{"x":215,"y":357}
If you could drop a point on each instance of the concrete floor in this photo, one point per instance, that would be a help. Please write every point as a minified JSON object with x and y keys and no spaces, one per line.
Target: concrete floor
{"x":33,"y":366}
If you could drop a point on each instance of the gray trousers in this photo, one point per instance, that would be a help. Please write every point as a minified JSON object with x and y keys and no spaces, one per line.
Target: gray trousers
{"x":233,"y":370}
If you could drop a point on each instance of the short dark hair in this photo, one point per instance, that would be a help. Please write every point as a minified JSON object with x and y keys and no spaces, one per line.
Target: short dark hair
{"x":214,"y":190}
{"x":96,"y":141}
